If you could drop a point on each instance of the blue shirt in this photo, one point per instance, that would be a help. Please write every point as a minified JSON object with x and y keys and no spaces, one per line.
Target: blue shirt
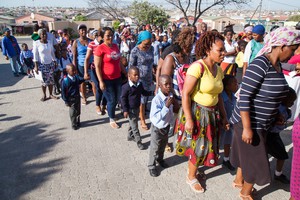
{"x":10,"y":46}
{"x":228,"y":104}
{"x":160,"y":115}
{"x":286,"y":114}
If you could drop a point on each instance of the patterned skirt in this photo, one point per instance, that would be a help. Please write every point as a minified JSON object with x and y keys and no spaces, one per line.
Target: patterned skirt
{"x":47,"y":73}
{"x":202,"y":146}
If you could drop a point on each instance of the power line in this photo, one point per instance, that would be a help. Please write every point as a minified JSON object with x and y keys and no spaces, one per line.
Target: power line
{"x":284,"y":4}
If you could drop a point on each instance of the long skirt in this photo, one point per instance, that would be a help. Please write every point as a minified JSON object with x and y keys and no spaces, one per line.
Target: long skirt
{"x":202,"y":146}
{"x":251,"y":158}
{"x":47,"y":73}
{"x":295,"y":174}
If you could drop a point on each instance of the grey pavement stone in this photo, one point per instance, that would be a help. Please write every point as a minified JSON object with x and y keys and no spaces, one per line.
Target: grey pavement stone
{"x":41,"y":157}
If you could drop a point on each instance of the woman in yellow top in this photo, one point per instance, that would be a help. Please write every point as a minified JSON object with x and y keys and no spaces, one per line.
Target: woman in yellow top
{"x":198,"y":128}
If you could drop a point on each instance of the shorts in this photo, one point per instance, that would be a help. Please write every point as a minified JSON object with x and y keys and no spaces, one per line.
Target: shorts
{"x":80,"y":70}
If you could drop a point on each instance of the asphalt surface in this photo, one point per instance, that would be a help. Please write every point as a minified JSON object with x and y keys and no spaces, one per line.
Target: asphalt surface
{"x":41,"y":157}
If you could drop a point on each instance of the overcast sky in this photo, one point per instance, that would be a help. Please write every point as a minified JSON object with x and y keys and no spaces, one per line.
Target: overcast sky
{"x":267,"y":4}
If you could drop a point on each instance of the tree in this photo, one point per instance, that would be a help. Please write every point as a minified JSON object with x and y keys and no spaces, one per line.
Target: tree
{"x":80,"y":17}
{"x":110,"y":7}
{"x":196,"y":6}
{"x":146,"y":13}
{"x":295,"y":18}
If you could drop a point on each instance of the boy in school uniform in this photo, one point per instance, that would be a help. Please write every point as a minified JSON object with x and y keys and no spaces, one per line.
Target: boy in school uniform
{"x":70,"y":94}
{"x":161,"y":116}
{"x":131,"y":101}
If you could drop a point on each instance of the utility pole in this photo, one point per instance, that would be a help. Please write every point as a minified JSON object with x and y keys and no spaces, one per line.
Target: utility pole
{"x":259,"y":14}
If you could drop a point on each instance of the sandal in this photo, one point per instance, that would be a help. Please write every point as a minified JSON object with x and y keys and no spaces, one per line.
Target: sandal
{"x":83,"y":101}
{"x":114,"y":125}
{"x":53,"y":97}
{"x":145,"y":127}
{"x":240,"y":186}
{"x":43,"y":99}
{"x":194,"y":182}
{"x":245,"y":197}
{"x":200,"y":175}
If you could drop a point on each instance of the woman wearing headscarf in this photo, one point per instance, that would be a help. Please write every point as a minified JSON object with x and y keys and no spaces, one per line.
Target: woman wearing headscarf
{"x":254,"y":46}
{"x":45,"y":62}
{"x":263,"y":88}
{"x":142,"y":57}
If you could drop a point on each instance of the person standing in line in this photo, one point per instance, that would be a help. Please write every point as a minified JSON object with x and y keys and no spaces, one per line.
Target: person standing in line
{"x":79,"y":50}
{"x":131,"y":101}
{"x":262,"y":90}
{"x":45,"y":61}
{"x":108,"y":69}
{"x":198,"y":124}
{"x":142,"y":56}
{"x":254,"y":46}
{"x":161,"y":115}
{"x":11,"y":51}
{"x":70,"y":94}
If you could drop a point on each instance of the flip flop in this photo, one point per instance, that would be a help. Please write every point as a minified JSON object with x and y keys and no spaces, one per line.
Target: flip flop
{"x":194,"y":182}
{"x":240,"y":186}
{"x":245,"y":197}
{"x":53,"y":97}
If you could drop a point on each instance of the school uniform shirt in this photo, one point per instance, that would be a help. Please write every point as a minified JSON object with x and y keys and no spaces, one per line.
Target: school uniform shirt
{"x":62,"y":62}
{"x":286,"y":114}
{"x":262,"y":91}
{"x":160,"y":115}
{"x":228,"y":103}
{"x":70,"y":87}
{"x":25,"y":55}
{"x":131,"y":95}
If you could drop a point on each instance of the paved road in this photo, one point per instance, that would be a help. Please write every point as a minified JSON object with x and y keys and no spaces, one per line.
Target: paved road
{"x":41,"y":157}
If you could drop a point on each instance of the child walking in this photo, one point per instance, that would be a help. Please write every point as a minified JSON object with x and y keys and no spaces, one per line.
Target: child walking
{"x":161,"y":115}
{"x":275,"y":146}
{"x":131,"y":101}
{"x":26,"y":59}
{"x":70,"y":94}
{"x":229,"y":99}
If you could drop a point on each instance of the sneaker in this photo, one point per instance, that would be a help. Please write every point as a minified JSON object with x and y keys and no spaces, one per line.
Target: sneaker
{"x":129,"y":138}
{"x":140,"y":145}
{"x":98,"y":110}
{"x":282,"y":178}
{"x":153,"y":172}
{"x":75,"y":128}
{"x":228,"y":165}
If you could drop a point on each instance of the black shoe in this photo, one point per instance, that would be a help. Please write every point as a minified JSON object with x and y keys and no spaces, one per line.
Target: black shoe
{"x":282,"y":178}
{"x":74,"y":127}
{"x":140,"y":146}
{"x":228,"y":165}
{"x":163,"y":164}
{"x":153,"y":172}
{"x":129,"y":138}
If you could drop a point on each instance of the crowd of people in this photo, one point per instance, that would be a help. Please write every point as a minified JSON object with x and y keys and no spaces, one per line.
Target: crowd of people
{"x":211,"y":90}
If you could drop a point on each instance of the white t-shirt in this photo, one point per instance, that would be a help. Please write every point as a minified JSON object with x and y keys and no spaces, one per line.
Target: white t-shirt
{"x":229,"y":48}
{"x":248,"y":52}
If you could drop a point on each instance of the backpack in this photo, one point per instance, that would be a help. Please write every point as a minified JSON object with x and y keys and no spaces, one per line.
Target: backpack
{"x":181,"y":74}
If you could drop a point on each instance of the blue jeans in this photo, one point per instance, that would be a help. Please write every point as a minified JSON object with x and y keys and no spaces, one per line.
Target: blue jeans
{"x":99,"y":94}
{"x":14,"y":63}
{"x":112,"y":94}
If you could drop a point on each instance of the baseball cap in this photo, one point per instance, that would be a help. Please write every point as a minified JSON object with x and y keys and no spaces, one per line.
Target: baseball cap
{"x":81,"y":26}
{"x":6,"y":30}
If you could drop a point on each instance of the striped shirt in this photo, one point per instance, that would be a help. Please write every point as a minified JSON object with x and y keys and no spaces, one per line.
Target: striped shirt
{"x":262,"y":90}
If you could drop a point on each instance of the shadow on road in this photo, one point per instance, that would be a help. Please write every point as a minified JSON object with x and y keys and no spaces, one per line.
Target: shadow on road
{"x":6,"y":76}
{"x":22,"y":168}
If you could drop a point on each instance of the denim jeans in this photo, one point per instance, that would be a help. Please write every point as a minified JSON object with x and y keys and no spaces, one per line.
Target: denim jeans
{"x":112,"y":94}
{"x":99,"y":94}
{"x":15,"y":67}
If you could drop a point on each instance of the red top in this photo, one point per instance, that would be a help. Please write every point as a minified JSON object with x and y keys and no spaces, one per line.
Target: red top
{"x":110,"y":66}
